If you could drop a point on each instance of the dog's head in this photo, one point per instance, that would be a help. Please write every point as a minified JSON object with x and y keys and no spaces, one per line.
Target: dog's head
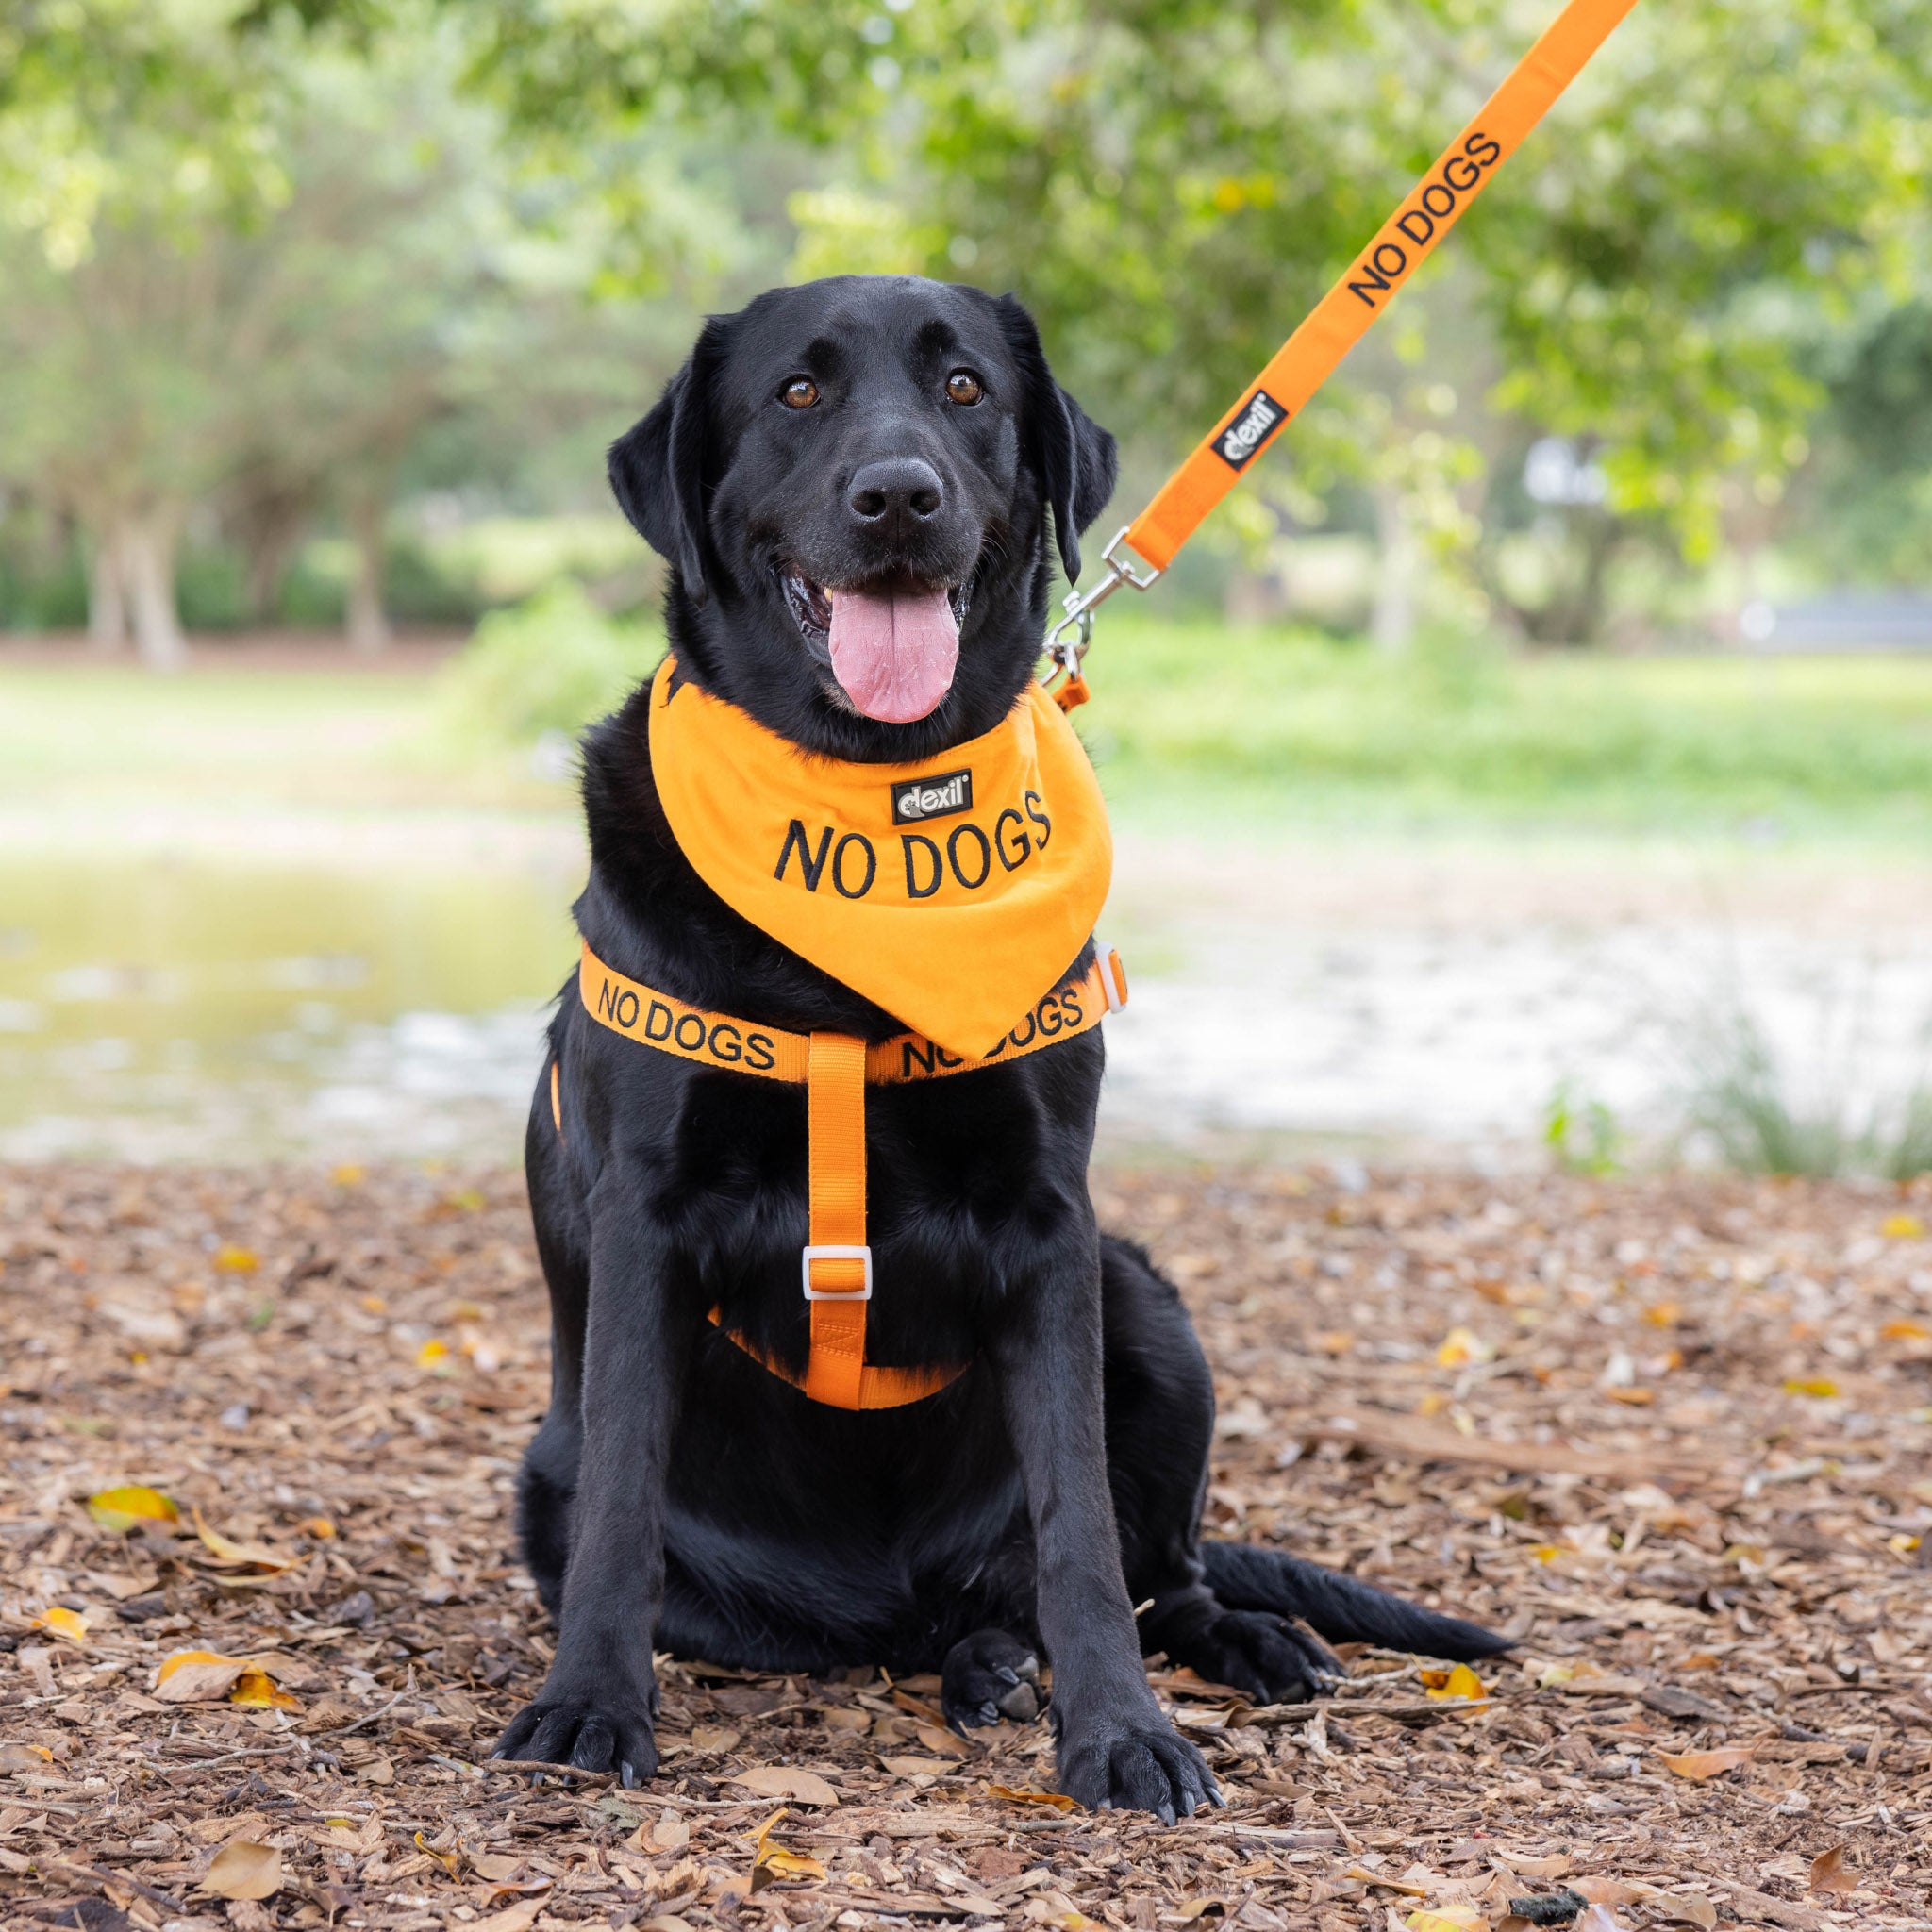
{"x":853,"y":482}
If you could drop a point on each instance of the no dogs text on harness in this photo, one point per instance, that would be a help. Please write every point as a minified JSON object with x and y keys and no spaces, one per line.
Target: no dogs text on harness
{"x":995,"y":855}
{"x":1336,"y":323}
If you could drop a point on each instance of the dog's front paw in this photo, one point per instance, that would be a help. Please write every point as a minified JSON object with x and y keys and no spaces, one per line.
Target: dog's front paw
{"x":990,"y":1675}
{"x":604,"y":1731}
{"x":1144,"y":1766}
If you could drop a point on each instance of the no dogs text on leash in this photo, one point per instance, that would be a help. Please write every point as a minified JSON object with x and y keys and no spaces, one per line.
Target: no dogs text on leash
{"x":1336,"y":323}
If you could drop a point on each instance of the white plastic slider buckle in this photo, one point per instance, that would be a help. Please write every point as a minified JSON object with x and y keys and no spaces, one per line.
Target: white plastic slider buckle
{"x":1113,"y":976}
{"x":1067,"y":642}
{"x":832,"y":1252}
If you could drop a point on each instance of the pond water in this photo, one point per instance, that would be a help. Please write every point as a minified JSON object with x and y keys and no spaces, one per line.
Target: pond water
{"x":156,"y":1008}
{"x":387,"y":1000}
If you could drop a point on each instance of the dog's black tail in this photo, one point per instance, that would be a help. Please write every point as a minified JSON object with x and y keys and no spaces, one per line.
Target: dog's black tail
{"x":1339,"y":1607}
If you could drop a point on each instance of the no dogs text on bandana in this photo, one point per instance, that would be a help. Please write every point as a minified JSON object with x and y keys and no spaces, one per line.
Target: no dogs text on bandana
{"x":953,"y":892}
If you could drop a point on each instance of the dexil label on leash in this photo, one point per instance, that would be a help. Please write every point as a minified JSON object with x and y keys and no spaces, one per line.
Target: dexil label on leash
{"x":1250,"y":429}
{"x":954,"y":892}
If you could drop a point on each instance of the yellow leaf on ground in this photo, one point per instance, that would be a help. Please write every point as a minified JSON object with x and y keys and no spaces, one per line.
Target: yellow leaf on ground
{"x":1699,"y":1765}
{"x":787,"y":1781}
{"x":24,"y":1757}
{"x":244,"y":1870}
{"x":1902,"y":1227}
{"x":784,"y":1864}
{"x":1906,"y":1330}
{"x":1820,"y":1387}
{"x":432,"y":1355}
{"x":348,"y":1174}
{"x":131,"y":1504}
{"x":227,"y":1552}
{"x":320,"y":1527}
{"x":1462,"y":1346}
{"x":258,"y":1688}
{"x":233,"y":1260}
{"x":1632,"y":1398}
{"x":1459,"y":1682}
{"x":1019,"y":1794}
{"x":1450,"y":1918}
{"x":1828,"y":1871}
{"x":62,"y":1623}
{"x":197,"y":1676}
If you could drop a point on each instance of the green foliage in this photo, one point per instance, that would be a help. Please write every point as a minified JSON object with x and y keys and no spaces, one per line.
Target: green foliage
{"x":555,"y":664}
{"x":1581,"y":1133}
{"x":1744,"y":1098}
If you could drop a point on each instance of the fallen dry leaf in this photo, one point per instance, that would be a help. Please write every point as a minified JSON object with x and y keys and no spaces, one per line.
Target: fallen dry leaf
{"x":517,"y":1918}
{"x":197,"y":1676}
{"x":947,"y":1743}
{"x":1020,"y":1794}
{"x":1699,"y":1765}
{"x":131,"y":1505}
{"x":1196,"y":1907}
{"x":24,"y":1757}
{"x":1684,"y":1909}
{"x":243,"y":1869}
{"x":787,"y":1781}
{"x":713,"y":1739}
{"x":225,"y":1551}
{"x":1447,"y":1919}
{"x":1828,"y":1871}
{"x":1407,"y":1887}
{"x":1597,"y":1919}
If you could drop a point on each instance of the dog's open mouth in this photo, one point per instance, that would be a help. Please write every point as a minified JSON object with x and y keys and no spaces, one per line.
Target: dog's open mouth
{"x":893,"y":645}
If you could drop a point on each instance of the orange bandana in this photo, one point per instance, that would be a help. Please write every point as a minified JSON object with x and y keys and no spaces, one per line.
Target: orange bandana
{"x":954,"y":892}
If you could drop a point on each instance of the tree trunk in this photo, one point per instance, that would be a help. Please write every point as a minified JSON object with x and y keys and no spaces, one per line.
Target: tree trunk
{"x":368,"y":625}
{"x":1392,"y":620}
{"x":107,"y":604}
{"x":147,"y":550}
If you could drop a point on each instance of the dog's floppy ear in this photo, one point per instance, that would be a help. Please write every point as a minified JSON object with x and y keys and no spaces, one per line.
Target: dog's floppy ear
{"x":657,"y":467}
{"x":1074,"y":456}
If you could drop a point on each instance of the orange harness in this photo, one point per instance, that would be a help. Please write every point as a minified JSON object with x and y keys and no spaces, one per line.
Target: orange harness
{"x":835,"y":1070}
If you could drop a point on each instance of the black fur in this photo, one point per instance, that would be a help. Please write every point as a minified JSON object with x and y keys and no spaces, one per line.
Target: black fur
{"x":676,"y":1492}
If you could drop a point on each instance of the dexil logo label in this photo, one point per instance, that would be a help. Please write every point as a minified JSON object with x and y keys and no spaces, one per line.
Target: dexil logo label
{"x":1250,"y":429}
{"x":932,"y":798}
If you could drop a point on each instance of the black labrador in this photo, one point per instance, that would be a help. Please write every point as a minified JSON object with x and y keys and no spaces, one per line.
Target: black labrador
{"x":896,"y":437}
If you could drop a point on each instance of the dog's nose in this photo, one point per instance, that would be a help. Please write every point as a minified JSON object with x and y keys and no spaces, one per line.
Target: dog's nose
{"x":895,"y":488}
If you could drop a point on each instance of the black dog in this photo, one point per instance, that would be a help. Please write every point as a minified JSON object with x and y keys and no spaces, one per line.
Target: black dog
{"x":862,"y":432}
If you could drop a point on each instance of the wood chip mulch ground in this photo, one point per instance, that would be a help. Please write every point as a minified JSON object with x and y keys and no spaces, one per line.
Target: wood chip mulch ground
{"x":1676,"y":1436}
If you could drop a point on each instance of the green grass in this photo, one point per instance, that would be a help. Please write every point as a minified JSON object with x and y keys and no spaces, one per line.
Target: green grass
{"x":1299,"y":725}
{"x":1191,"y":723}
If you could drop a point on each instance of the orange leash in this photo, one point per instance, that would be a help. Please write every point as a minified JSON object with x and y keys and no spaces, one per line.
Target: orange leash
{"x":1342,"y":316}
{"x":835,"y":1070}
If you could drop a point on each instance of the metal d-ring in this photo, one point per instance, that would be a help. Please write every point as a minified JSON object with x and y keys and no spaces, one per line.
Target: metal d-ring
{"x":1067,"y":651}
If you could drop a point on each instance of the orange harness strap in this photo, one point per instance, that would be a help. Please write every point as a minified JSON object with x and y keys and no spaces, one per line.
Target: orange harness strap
{"x":835,"y":1070}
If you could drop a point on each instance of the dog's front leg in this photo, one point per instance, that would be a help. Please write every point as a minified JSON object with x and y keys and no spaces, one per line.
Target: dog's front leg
{"x":1115,"y":1748}
{"x":597,"y":1705}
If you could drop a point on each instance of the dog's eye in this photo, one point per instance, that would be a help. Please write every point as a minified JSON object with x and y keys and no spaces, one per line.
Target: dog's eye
{"x":963,"y":387}
{"x":801,"y":392}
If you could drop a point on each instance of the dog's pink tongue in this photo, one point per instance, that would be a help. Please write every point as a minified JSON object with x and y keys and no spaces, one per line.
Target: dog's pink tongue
{"x":893,"y":651}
